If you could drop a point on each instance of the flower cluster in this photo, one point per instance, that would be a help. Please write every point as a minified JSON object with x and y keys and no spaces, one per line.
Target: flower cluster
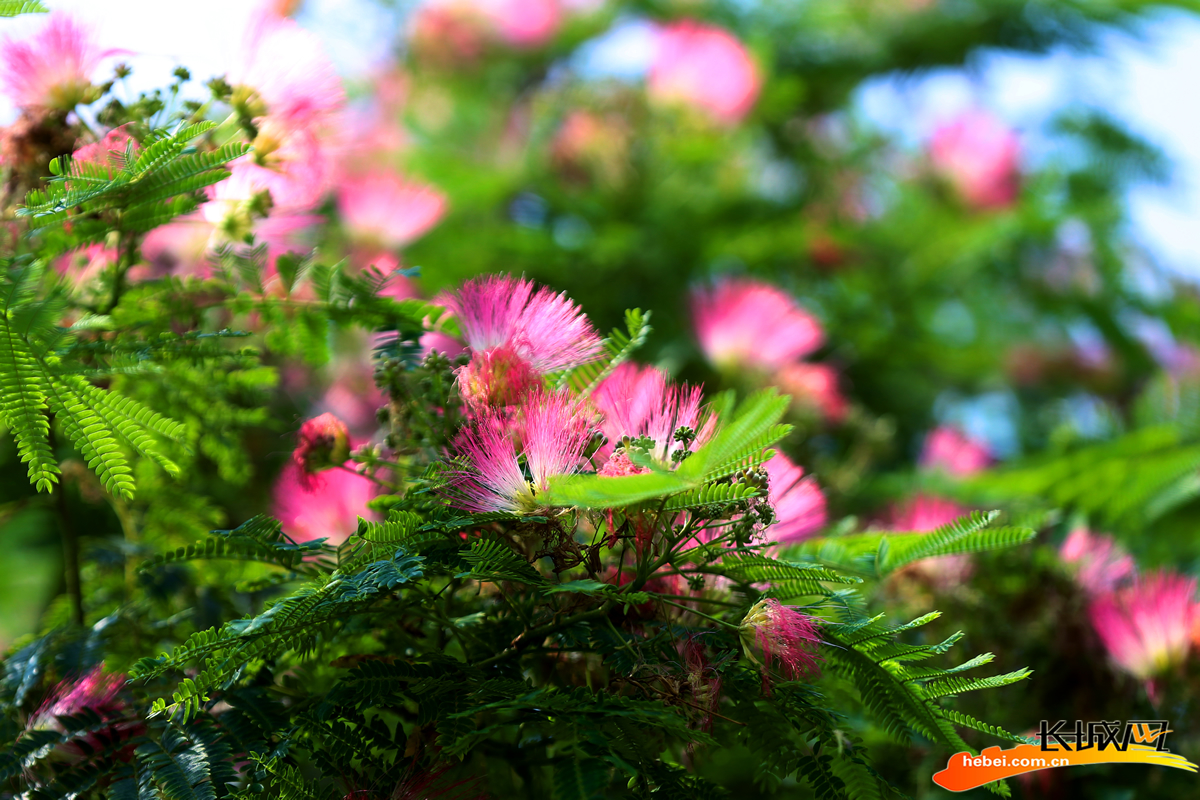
{"x":979,"y":157}
{"x":1144,"y":621}
{"x":744,"y":325}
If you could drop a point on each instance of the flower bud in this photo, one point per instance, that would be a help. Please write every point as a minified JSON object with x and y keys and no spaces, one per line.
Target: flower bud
{"x":323,"y":442}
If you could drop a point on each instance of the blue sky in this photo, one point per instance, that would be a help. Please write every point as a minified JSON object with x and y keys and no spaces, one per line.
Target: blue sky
{"x":1150,"y":83}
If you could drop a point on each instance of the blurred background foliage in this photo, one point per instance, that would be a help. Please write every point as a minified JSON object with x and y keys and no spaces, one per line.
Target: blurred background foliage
{"x":981,"y":283}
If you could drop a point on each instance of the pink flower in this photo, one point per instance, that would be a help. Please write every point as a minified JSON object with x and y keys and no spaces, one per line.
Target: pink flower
{"x":288,"y":87}
{"x":704,"y":67}
{"x":952,"y":451}
{"x":1146,"y":628}
{"x":497,"y":377}
{"x":322,"y":442}
{"x":533,"y":332}
{"x":798,"y":502}
{"x":387,"y":210}
{"x":741,"y":322}
{"x":639,"y":402}
{"x":95,"y":692}
{"x":523,"y":23}
{"x":285,"y":67}
{"x":236,"y":210}
{"x":54,"y":68}
{"x":814,"y":389}
{"x":784,"y":636}
{"x":109,"y":151}
{"x":978,"y":155}
{"x":322,"y":506}
{"x":1101,"y":564}
{"x":550,"y":431}
{"x":442,"y":343}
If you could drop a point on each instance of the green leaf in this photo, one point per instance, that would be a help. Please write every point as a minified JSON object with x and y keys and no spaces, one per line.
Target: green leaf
{"x":13,"y":8}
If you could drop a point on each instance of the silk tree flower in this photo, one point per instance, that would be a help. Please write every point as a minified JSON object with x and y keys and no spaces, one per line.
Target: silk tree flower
{"x":741,"y":322}
{"x":516,"y":333}
{"x":549,"y":433}
{"x":322,"y":506}
{"x":1147,"y":627}
{"x":1101,"y":565}
{"x":813,"y":388}
{"x":704,"y":67}
{"x":798,"y":502}
{"x":237,"y":210}
{"x":288,"y":88}
{"x":952,"y":451}
{"x":978,"y":156}
{"x":523,"y":24}
{"x":640,"y":402}
{"x":386,"y":210}
{"x":95,"y":692}
{"x":53,"y":69}
{"x":784,"y":636}
{"x":322,"y":442}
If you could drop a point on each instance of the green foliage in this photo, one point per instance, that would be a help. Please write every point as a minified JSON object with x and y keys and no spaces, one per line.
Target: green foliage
{"x":14,"y":8}
{"x":148,"y":187}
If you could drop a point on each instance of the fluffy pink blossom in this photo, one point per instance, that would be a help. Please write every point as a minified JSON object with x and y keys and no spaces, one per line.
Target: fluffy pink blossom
{"x":532,"y":332}
{"x":523,"y":23}
{"x":954,"y":452}
{"x":385,"y":209}
{"x":52,"y":69}
{"x":322,"y":442}
{"x":705,"y":67}
{"x":287,"y":70}
{"x":95,"y":692}
{"x":1147,"y":627}
{"x":443,"y":343}
{"x":234,"y":212}
{"x":1101,"y":565}
{"x":322,"y":506}
{"x":742,"y":323}
{"x":978,"y":155}
{"x":497,"y":377}
{"x":798,"y":502}
{"x":639,"y":401}
{"x":548,"y":329}
{"x":549,"y":430}
{"x":785,"y":636}
{"x":814,"y":389}
{"x":288,"y":87}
